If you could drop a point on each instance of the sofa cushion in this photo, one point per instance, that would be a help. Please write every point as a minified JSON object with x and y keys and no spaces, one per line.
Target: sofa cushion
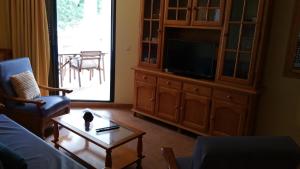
{"x":25,"y":85}
{"x":10,"y":159}
{"x":184,"y":162}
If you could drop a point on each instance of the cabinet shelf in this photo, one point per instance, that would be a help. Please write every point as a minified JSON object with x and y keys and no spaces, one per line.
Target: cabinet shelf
{"x":243,"y":22}
{"x":240,"y":51}
{"x":151,"y":42}
{"x":195,"y":27}
{"x":151,"y":19}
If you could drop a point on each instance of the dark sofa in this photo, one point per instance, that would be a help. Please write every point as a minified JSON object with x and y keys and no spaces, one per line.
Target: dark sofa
{"x":246,"y":152}
{"x":25,"y":150}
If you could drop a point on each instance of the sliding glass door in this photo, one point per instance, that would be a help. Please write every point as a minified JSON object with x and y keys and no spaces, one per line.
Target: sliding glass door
{"x":85,"y":48}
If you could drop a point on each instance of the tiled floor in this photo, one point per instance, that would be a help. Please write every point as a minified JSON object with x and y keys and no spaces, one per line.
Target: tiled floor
{"x":157,"y":136}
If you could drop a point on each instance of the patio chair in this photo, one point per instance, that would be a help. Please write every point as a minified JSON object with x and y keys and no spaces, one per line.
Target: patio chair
{"x":246,"y":152}
{"x":20,"y":95}
{"x":89,"y":60}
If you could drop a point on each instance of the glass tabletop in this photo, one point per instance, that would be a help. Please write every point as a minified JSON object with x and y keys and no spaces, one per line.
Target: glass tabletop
{"x":75,"y":121}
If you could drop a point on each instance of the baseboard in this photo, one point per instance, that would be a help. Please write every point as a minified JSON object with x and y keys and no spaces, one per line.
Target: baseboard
{"x":100,"y":105}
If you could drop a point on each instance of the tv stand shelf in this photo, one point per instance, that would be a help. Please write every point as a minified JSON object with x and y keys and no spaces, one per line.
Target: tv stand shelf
{"x":186,"y":34}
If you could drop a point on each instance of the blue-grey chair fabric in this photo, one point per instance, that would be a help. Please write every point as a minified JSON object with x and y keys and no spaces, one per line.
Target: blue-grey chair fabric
{"x":16,"y":66}
{"x":52,"y":103}
{"x":251,"y":152}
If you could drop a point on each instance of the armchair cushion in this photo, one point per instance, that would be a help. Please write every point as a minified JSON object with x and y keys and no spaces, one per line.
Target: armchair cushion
{"x":25,"y":85}
{"x":52,"y":103}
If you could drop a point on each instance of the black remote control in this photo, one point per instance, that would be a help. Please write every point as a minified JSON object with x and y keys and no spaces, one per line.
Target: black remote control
{"x":107,"y":128}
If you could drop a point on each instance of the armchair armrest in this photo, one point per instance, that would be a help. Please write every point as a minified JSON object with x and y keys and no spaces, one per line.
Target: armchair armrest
{"x":39,"y":103}
{"x":169,"y":157}
{"x":64,"y":91}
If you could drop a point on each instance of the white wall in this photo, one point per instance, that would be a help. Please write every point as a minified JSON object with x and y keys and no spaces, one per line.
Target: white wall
{"x":279,"y":108}
{"x":127,"y":35}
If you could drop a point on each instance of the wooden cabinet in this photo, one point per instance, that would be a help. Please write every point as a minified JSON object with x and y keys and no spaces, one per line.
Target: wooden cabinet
{"x":194,"y":12}
{"x":225,"y":103}
{"x":150,"y":38}
{"x":195,"y":112}
{"x":227,"y":119}
{"x":168,"y":99}
{"x":240,"y":43}
{"x":145,"y":93}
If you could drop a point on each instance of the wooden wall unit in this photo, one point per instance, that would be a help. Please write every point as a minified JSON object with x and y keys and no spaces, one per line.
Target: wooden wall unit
{"x":226,"y":104}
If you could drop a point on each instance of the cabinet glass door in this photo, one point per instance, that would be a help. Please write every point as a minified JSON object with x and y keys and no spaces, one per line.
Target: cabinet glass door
{"x":208,"y":12}
{"x":150,"y":38}
{"x":240,"y":40}
{"x":177,"y":12}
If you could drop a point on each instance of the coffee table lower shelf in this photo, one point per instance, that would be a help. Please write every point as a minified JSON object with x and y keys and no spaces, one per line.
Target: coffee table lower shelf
{"x":93,"y":156}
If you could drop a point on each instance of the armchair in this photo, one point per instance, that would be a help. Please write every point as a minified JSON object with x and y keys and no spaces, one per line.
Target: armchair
{"x":251,"y":152}
{"x":34,"y":114}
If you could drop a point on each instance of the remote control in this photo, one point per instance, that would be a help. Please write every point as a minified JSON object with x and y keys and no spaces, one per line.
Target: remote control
{"x":107,"y":128}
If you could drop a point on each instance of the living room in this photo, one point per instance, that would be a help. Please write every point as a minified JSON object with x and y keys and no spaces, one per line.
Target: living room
{"x":278,"y":111}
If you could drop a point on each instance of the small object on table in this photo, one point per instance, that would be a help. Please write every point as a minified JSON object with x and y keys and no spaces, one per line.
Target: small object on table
{"x":88,"y":117}
{"x":107,"y":128}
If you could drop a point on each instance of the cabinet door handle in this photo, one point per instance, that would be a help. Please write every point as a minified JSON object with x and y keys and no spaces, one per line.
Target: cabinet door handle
{"x":145,"y":77}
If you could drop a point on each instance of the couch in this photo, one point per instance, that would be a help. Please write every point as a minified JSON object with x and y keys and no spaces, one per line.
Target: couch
{"x":238,"y":152}
{"x":20,"y":149}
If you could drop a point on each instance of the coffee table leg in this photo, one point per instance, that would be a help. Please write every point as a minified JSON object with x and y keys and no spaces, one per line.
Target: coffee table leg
{"x":139,"y":152}
{"x":56,"y":135}
{"x":108,"y":162}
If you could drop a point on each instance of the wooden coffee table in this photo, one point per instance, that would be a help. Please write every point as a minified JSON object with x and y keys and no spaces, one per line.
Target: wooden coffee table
{"x":98,"y":149}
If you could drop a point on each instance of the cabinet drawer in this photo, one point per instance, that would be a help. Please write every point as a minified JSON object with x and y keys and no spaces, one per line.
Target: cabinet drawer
{"x":169,"y":83}
{"x":199,"y":90}
{"x":145,"y":78}
{"x":231,"y":96}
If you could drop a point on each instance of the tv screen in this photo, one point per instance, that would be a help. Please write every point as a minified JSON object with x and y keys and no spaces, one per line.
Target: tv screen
{"x":193,"y":59}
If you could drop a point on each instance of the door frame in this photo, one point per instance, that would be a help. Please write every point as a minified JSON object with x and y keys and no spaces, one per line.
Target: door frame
{"x":52,"y":27}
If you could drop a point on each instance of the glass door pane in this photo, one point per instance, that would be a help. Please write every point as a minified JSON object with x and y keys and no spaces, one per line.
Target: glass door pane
{"x":207,"y":12}
{"x":240,"y":37}
{"x":81,"y":34}
{"x":151,"y":32}
{"x":177,"y":11}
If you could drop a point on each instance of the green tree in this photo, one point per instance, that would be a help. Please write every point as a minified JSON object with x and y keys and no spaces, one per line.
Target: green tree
{"x":99,"y":5}
{"x":69,"y":12}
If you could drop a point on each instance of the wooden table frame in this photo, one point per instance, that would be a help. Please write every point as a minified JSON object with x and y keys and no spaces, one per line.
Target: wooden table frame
{"x":108,"y":159}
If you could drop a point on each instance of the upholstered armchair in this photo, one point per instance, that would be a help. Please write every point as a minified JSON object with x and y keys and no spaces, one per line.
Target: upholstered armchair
{"x":35,"y":112}
{"x":251,"y":152}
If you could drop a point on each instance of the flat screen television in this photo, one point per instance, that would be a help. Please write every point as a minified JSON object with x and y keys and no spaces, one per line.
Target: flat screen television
{"x":191,"y":59}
